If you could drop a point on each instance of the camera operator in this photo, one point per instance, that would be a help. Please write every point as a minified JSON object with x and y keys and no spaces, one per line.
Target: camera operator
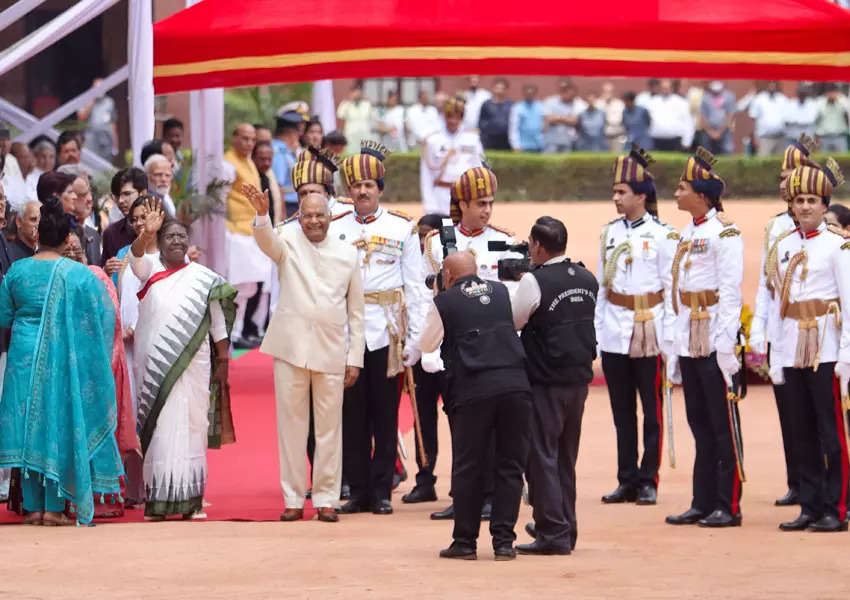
{"x":473,"y":195}
{"x":554,"y":307}
{"x":490,"y":396}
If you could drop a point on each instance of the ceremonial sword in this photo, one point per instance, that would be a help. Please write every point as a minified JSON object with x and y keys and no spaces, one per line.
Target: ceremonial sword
{"x":411,"y":391}
{"x":732,"y":399}
{"x":668,"y":402}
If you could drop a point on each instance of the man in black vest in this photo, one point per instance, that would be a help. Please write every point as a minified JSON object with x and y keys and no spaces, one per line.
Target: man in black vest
{"x":554,"y":307}
{"x":490,"y":396}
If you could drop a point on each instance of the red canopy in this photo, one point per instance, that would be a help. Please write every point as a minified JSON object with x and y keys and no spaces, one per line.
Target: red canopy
{"x":225,"y":43}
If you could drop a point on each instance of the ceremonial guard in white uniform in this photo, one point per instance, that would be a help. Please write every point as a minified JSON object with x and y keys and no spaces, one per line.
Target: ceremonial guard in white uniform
{"x":395,"y":296}
{"x":634,"y":323}
{"x":472,"y":206}
{"x":446,"y":155}
{"x":811,"y":271}
{"x":707,"y":271}
{"x":763,"y":338}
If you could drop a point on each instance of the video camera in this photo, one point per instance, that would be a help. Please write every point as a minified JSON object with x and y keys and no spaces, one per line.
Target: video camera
{"x":511,"y":269}
{"x":449,"y":243}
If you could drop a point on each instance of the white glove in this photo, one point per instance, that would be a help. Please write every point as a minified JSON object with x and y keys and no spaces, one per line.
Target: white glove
{"x":757,"y":343}
{"x":674,"y":373}
{"x":729,"y":365}
{"x":411,"y":355}
{"x":432,"y":362}
{"x":842,"y":371}
{"x":776,"y":373}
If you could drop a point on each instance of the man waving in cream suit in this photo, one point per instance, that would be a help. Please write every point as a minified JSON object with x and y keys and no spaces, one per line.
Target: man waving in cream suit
{"x":316,"y":337}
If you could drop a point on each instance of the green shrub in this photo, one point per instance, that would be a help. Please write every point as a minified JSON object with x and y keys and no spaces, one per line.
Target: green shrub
{"x":583,"y":176}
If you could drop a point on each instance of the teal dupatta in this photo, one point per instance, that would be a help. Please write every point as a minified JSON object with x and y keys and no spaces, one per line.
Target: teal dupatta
{"x":71,"y":413}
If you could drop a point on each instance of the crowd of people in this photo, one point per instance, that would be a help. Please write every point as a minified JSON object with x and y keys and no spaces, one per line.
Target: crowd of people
{"x":117,"y":339}
{"x":664,"y":116}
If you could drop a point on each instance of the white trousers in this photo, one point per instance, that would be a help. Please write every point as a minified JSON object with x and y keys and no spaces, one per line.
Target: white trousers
{"x":244,"y":292}
{"x":292,"y":394}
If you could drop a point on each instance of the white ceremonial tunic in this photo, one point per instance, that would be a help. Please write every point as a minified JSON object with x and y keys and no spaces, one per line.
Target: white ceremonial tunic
{"x":827,"y":278}
{"x":389,"y":258}
{"x":445,"y":157}
{"x":715,"y":262}
{"x":642,"y":268}
{"x":488,"y":262}
{"x":763,"y":331}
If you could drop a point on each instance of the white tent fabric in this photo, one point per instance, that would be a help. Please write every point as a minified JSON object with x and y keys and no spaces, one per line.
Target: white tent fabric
{"x":75,"y":17}
{"x":207,"y":132}
{"x":322,"y":104}
{"x":140,"y":61}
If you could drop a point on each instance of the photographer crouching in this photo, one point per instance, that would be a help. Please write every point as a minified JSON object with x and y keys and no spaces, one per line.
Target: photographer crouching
{"x":554,"y":307}
{"x":486,"y":380}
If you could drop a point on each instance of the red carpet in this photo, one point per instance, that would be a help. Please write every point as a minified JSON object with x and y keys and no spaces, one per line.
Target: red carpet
{"x":243,"y":481}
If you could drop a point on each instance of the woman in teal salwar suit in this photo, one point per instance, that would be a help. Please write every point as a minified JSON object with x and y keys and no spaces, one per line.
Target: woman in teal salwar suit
{"x":58,"y":410}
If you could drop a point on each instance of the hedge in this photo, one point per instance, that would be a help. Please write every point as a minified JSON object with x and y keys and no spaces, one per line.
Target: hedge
{"x":584,"y":176}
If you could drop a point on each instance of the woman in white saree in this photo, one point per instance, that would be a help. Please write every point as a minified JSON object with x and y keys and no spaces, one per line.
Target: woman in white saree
{"x":181,"y":351}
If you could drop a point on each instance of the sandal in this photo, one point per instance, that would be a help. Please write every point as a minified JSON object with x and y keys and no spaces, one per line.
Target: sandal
{"x":33,"y":518}
{"x":60,"y":520}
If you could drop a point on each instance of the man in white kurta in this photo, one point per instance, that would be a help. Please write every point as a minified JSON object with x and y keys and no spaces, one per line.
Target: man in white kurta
{"x":317,"y":340}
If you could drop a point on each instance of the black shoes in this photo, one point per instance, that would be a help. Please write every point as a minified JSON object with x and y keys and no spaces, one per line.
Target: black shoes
{"x":689,"y":517}
{"x":458,"y":552}
{"x":382,"y":507}
{"x":799,"y":524}
{"x":828,"y":523}
{"x":623,"y":493}
{"x":486,"y":511}
{"x":420,"y":493}
{"x":790,"y":498}
{"x":504,"y":553}
{"x":247,"y":342}
{"x":721,"y":518}
{"x":351,"y":507}
{"x":531,"y":529}
{"x":647,"y":495}
{"x":536,"y":547}
{"x":444,"y":515}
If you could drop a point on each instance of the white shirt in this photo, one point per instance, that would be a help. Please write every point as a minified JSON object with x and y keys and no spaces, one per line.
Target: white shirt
{"x":526,"y":297}
{"x":671,"y":118}
{"x":769,"y":111}
{"x":644,"y":268}
{"x":422,"y":121}
{"x":14,"y":186}
{"x":761,"y":329}
{"x":390,"y":258}
{"x":488,"y":261}
{"x":445,"y":157}
{"x":472,"y":111}
{"x":827,"y":269}
{"x":714,"y":263}
{"x":800,"y":117}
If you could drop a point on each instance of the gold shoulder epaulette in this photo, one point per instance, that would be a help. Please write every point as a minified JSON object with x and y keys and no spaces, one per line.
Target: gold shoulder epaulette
{"x":673,"y":236}
{"x":845,"y":246}
{"x":730,"y":232}
{"x":724,"y":218}
{"x":501,"y":230}
{"x":345,"y":200}
{"x":400,"y":213}
{"x":341,"y":215}
{"x":767,"y":229}
{"x":838,"y":231}
{"x":429,"y":256}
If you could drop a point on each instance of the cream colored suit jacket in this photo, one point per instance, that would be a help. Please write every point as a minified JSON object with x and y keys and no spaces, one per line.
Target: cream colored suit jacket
{"x":318,"y":322}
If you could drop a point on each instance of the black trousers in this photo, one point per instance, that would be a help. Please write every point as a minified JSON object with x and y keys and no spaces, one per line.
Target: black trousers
{"x":370,"y":411}
{"x":671,"y":144}
{"x":473,"y":425}
{"x":626,"y":378}
{"x":428,"y":390}
{"x":783,"y":408}
{"x":716,"y":480}
{"x":819,"y":443}
{"x":555,"y":431}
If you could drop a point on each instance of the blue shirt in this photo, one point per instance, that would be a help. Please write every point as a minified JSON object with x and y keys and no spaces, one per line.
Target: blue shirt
{"x":282,"y":162}
{"x":636,"y":121}
{"x":527,"y":126}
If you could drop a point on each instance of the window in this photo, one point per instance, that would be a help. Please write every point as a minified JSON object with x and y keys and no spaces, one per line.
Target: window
{"x":376,"y":90}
